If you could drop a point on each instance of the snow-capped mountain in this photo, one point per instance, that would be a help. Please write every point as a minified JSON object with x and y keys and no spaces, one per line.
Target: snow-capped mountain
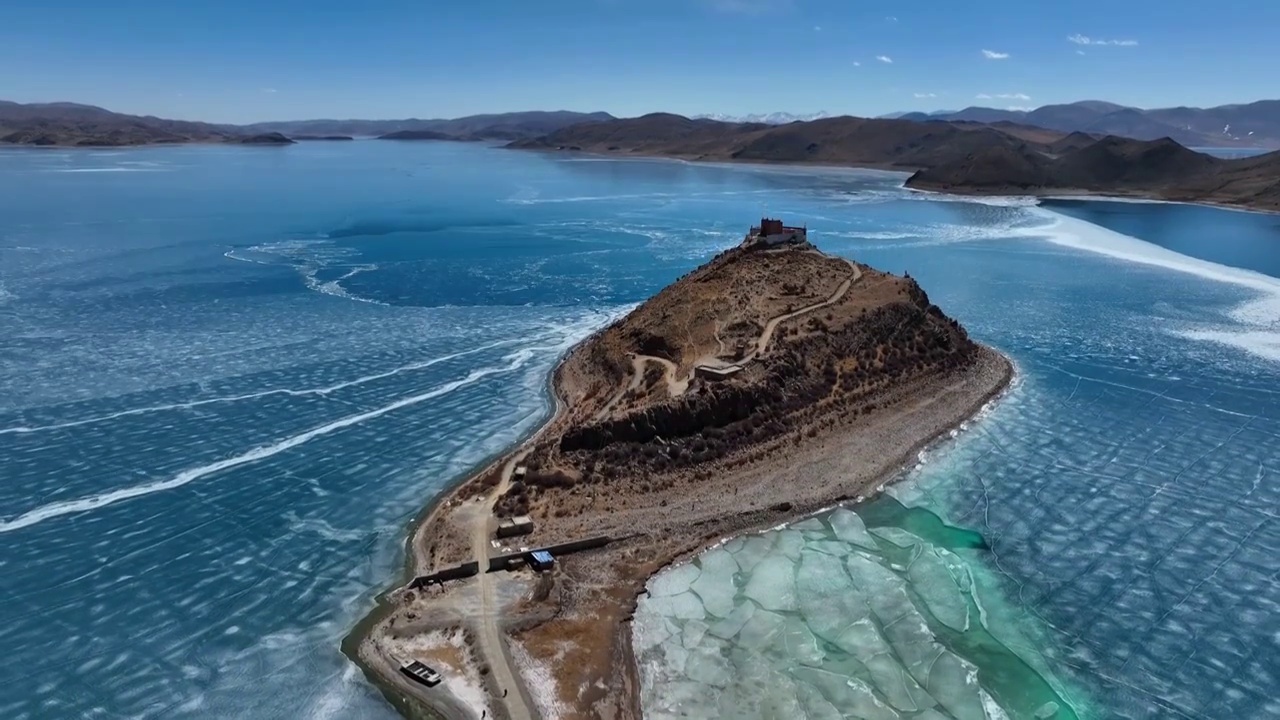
{"x":774,"y":118}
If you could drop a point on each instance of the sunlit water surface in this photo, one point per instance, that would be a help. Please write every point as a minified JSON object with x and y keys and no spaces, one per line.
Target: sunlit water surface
{"x":229,"y":377}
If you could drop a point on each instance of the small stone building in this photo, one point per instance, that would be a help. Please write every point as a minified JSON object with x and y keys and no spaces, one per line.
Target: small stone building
{"x":513,"y":526}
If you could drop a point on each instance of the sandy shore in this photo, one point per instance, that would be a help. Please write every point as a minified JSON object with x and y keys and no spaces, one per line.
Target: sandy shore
{"x":843,"y":464}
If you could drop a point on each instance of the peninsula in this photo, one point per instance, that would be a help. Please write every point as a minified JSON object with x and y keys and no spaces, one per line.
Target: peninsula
{"x":1159,"y":169}
{"x":767,"y":384}
{"x":960,"y":157}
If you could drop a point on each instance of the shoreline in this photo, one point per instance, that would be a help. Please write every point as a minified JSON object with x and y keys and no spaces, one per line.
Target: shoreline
{"x":1058,"y":193}
{"x":1096,"y":195}
{"x":416,"y":705}
{"x":408,"y":705}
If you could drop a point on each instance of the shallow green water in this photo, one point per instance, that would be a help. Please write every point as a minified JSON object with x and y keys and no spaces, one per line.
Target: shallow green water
{"x":872,"y":614}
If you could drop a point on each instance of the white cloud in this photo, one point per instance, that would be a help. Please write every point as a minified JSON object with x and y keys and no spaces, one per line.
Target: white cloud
{"x":270,"y":91}
{"x":891,"y":19}
{"x":1086,"y":40}
{"x":1004,"y":96}
{"x":857,"y":64}
{"x":885,"y":59}
{"x":817,"y":28}
{"x":921,"y":96}
{"x":1019,"y":108}
{"x":1080,"y":52}
{"x":993,"y":55}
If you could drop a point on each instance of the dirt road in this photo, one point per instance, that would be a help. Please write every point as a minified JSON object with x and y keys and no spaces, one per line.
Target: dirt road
{"x":772,"y":325}
{"x":488,"y":630}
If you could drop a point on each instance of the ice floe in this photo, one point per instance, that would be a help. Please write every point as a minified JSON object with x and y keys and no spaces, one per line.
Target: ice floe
{"x":826,"y":618}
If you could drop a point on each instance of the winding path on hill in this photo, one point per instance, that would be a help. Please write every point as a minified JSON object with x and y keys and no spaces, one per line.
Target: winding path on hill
{"x":772,"y":324}
{"x":677,"y":387}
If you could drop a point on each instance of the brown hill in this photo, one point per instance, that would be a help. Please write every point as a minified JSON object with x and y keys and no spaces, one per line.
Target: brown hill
{"x":846,"y":140}
{"x":264,"y":139}
{"x":1003,"y":157}
{"x":1255,"y":125}
{"x":75,"y":124}
{"x":1074,"y":141}
{"x":1114,"y":166}
{"x":87,"y":125}
{"x":808,"y":342}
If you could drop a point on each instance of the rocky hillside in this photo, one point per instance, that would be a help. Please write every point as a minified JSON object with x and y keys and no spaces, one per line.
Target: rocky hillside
{"x":820,"y":342}
{"x":838,"y":140}
{"x":87,"y":125}
{"x":1116,"y":166}
{"x":1251,"y":125}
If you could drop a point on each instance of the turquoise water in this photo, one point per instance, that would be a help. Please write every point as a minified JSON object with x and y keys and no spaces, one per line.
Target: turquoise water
{"x":230,"y":376}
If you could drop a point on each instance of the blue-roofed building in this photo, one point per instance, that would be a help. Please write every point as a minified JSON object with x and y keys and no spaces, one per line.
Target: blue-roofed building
{"x":541,"y":560}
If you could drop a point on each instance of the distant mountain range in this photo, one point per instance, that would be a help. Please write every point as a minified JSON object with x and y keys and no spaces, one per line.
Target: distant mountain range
{"x":74,"y":124}
{"x":1253,"y":125}
{"x":502,"y":126}
{"x":884,"y":143}
{"x":774,"y":118}
{"x":1075,"y":148}
{"x":956,"y":156}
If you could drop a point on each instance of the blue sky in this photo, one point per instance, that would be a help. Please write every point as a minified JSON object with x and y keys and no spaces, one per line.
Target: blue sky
{"x":249,"y":60}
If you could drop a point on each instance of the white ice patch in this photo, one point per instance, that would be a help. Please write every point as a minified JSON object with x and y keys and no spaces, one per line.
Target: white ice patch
{"x":683,"y":606}
{"x":773,"y":583}
{"x":848,"y":526}
{"x":855,"y":698}
{"x":761,"y":630}
{"x":729,"y":627}
{"x":897,"y":536}
{"x":95,"y":502}
{"x":715,"y":584}
{"x":933,"y":581}
{"x":790,"y":543}
{"x":954,"y":684}
{"x":707,"y":665}
{"x":754,"y":549}
{"x":1261,"y":316}
{"x":674,"y":581}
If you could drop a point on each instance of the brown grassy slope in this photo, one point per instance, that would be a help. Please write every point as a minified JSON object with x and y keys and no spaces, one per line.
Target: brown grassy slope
{"x":839,"y":140}
{"x":821,"y":369}
{"x":74,"y":124}
{"x":1155,"y":168}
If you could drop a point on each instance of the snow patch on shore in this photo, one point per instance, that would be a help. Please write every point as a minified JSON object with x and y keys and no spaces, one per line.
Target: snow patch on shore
{"x":540,"y":681}
{"x":463,"y":683}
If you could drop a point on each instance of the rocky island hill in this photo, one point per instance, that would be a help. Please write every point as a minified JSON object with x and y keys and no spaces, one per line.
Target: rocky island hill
{"x":769,"y":383}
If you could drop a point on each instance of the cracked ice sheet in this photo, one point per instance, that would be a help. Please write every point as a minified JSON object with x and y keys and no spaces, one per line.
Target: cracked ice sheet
{"x":715,"y":584}
{"x":773,"y":584}
{"x":799,"y":585}
{"x":674,"y":580}
{"x":848,"y":526}
{"x":933,"y":581}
